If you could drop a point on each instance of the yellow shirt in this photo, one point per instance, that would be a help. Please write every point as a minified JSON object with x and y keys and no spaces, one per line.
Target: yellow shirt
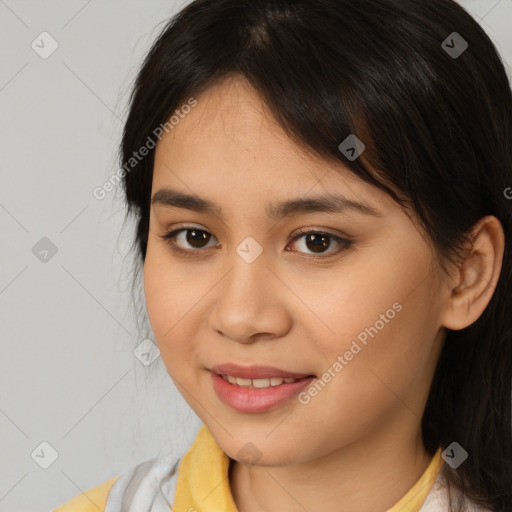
{"x":208,"y":490}
{"x":94,"y":500}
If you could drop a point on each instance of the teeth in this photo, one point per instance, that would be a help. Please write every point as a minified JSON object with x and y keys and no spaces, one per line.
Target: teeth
{"x":261,"y":383}
{"x":258,"y":383}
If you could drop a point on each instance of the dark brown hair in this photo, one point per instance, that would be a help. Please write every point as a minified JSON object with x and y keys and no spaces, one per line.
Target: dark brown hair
{"x":437,"y":128}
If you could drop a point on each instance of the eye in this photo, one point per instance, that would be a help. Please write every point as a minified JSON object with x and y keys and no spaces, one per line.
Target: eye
{"x":315,"y":241}
{"x":194,"y":236}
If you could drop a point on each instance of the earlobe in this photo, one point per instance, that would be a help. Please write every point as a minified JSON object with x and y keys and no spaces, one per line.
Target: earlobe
{"x":477,"y":275}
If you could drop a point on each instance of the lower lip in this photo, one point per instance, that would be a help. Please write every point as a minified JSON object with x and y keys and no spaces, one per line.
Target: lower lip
{"x":256,"y":400}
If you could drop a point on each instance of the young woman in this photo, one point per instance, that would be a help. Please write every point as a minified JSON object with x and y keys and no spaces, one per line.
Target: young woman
{"x":322,"y":191}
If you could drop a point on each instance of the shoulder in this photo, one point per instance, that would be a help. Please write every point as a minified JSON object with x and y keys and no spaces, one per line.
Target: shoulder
{"x":148,"y":484}
{"x":90,"y":501}
{"x":441,"y":496}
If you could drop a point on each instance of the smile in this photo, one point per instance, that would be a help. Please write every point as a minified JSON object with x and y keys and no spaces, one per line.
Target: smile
{"x":257,"y":395}
{"x":258,"y":383}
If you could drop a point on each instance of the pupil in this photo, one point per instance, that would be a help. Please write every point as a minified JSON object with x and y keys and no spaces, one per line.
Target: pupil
{"x":319,"y":242}
{"x":202,"y":237}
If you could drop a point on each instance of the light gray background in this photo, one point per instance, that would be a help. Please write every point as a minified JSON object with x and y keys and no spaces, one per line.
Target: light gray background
{"x":68,"y":374}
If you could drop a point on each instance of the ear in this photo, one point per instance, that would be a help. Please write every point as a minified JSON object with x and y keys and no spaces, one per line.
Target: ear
{"x":477,"y":276}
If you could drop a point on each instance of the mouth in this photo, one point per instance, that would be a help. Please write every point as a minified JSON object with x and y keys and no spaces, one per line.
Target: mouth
{"x":257,"y":388}
{"x":256,"y":372}
{"x":259,"y":383}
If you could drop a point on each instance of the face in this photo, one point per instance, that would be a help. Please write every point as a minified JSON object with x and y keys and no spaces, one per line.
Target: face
{"x":353,"y":307}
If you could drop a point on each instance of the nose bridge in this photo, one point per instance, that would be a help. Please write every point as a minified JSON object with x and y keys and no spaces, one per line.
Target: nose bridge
{"x":247,"y":300}
{"x":248,"y":280}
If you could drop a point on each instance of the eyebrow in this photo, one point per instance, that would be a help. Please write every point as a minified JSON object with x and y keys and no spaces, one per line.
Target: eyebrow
{"x":288,"y":208}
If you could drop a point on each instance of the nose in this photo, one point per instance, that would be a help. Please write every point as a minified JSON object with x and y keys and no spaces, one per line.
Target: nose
{"x":251,"y":303}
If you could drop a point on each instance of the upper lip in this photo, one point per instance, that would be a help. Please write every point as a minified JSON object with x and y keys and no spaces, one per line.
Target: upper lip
{"x":255,"y":372}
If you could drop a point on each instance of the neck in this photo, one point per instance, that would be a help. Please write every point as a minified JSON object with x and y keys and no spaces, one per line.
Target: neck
{"x":367,"y":476}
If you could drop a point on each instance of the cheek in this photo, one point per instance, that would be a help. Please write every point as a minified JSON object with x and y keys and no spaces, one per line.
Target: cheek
{"x":158,"y":293}
{"x":365,"y":383}
{"x":164,"y":291}
{"x":172,"y":303}
{"x":380,"y":318}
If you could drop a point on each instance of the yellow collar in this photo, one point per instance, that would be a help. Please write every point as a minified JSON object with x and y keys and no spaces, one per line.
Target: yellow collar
{"x":208,"y":490}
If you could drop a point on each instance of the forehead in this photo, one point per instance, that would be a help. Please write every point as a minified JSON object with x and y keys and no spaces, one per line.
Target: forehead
{"x":231,"y":141}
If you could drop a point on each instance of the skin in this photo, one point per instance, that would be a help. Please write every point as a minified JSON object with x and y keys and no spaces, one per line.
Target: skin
{"x":359,"y":438}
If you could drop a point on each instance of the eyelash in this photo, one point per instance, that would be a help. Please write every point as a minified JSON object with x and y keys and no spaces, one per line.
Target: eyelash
{"x":345,"y":243}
